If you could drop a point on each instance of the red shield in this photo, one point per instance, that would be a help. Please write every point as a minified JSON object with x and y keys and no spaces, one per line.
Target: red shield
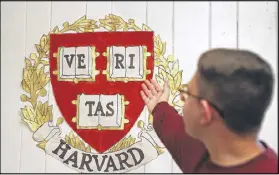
{"x":67,"y":91}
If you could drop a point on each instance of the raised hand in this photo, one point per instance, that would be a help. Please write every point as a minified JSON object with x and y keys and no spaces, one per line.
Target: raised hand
{"x":152,"y":93}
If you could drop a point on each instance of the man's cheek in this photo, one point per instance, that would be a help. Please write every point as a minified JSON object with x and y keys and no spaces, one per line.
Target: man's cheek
{"x":184,"y":109}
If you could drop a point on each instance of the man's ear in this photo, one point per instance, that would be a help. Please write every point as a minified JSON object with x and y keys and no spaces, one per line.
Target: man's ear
{"x":207,"y":113}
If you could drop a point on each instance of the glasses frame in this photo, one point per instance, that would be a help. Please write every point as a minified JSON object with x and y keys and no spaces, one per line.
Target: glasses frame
{"x":181,"y":90}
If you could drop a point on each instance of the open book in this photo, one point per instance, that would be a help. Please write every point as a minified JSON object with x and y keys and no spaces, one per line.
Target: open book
{"x":126,"y":62}
{"x":100,"y":112}
{"x":76,"y":62}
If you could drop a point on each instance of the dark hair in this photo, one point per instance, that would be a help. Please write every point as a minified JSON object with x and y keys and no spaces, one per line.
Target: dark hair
{"x":240,"y":83}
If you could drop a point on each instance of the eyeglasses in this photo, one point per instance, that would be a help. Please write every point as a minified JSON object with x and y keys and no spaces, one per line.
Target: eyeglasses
{"x":184,"y":89}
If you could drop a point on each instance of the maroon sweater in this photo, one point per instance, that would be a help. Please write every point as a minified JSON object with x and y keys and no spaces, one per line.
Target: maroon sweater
{"x":191,"y":155}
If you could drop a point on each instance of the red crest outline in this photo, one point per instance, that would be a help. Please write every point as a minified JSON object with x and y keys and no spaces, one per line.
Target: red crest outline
{"x":65,"y":92}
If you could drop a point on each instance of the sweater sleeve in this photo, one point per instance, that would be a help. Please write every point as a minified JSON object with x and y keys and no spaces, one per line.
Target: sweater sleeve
{"x":168,"y":124}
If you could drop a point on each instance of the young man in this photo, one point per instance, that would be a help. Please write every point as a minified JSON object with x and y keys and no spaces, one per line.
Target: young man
{"x":224,"y":106}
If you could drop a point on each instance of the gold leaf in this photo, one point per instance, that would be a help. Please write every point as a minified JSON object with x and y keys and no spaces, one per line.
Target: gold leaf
{"x":65,"y":24}
{"x":157,"y":62}
{"x":70,"y":143}
{"x":50,"y":116}
{"x":170,"y":58}
{"x":159,"y":150}
{"x":38,"y":47}
{"x":159,"y":46}
{"x":44,"y":62}
{"x":163,"y":62}
{"x":145,"y":28}
{"x":72,"y":138}
{"x":27,"y":112}
{"x":78,"y":142}
{"x":42,"y":120}
{"x":43,"y":112}
{"x":140,"y":124}
{"x":121,"y":145}
{"x":39,"y":115}
{"x":71,"y":135}
{"x":171,"y":82}
{"x":112,"y":22}
{"x":162,"y":73}
{"x":88,"y":149}
{"x":115,"y":147}
{"x":27,"y":75}
{"x":55,"y":30}
{"x":150,"y":119}
{"x":81,"y":19}
{"x":157,"y":52}
{"x":43,"y":41}
{"x":33,"y":125}
{"x":42,"y":145}
{"x":124,"y":143}
{"x":102,"y":22}
{"x":60,"y":120}
{"x":44,"y":80}
{"x":47,"y":79}
{"x":33,"y":56}
{"x":159,"y":80}
{"x":86,"y":22}
{"x":41,"y":71}
{"x":24,"y":98}
{"x":42,"y":92}
{"x":40,"y":82}
{"x":163,"y":48}
{"x":82,"y":146}
{"x":175,"y":68}
{"x":67,"y":139}
{"x":46,"y":49}
{"x":127,"y":142}
{"x":28,"y":63}
{"x":34,"y":80}
{"x":25,"y":86}
{"x":28,"y":117}
{"x":177,"y":79}
{"x":73,"y":142}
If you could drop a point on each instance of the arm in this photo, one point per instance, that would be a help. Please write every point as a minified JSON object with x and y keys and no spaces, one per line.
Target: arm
{"x":169,"y":127}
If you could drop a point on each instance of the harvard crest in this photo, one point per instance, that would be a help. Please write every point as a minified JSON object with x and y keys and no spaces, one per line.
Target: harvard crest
{"x":96,"y":80}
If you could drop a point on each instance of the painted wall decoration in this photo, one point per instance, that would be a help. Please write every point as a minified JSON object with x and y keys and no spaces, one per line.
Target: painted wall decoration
{"x":96,"y":78}
{"x":186,"y":29}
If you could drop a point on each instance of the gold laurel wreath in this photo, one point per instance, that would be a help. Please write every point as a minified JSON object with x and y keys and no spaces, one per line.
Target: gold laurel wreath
{"x":35,"y":79}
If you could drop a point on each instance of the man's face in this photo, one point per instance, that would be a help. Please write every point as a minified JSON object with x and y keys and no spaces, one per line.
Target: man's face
{"x":191,"y":108}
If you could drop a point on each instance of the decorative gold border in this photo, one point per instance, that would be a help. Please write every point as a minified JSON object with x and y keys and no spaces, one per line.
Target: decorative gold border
{"x":76,"y":80}
{"x":100,"y":127}
{"x":106,"y":72}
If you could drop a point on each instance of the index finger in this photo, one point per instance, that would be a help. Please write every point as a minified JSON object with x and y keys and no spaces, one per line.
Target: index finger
{"x":156,"y":85}
{"x":151,"y":87}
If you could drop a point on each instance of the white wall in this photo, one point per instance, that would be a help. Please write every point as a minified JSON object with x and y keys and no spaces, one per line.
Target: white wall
{"x":189,"y":28}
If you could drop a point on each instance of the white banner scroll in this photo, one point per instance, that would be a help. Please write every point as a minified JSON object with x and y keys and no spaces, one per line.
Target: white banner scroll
{"x":133,"y":157}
